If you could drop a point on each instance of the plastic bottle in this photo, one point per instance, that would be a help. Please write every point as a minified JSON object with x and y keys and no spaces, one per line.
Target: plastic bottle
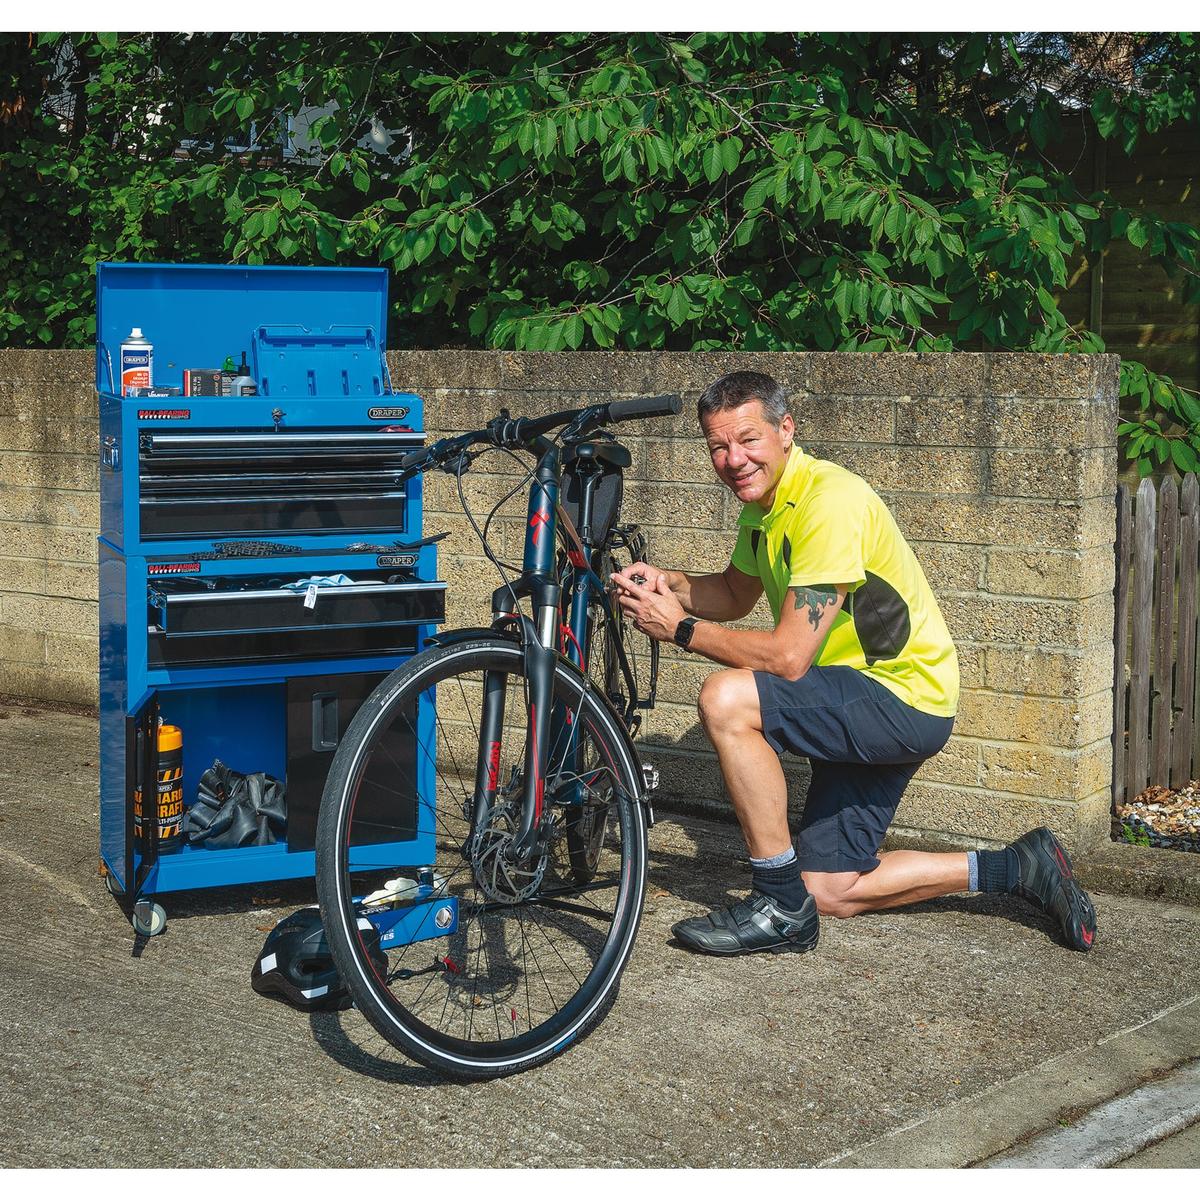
{"x":137,"y":362}
{"x":243,"y":384}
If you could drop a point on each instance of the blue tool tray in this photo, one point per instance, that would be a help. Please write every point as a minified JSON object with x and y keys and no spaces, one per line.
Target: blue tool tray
{"x":195,"y":314}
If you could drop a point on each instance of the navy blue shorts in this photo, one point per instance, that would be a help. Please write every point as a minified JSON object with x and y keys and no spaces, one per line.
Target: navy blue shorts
{"x":864,"y":745}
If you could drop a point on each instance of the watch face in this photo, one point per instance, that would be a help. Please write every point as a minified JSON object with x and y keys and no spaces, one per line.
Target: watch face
{"x":683,"y":632}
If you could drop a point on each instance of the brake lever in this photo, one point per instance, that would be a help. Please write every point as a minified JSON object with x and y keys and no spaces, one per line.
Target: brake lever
{"x":458,"y":463}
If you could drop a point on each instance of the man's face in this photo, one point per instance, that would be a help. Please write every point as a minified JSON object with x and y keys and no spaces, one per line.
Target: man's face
{"x":748,"y":452}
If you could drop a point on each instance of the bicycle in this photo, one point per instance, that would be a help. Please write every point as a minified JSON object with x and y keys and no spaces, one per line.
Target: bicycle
{"x":512,"y":746}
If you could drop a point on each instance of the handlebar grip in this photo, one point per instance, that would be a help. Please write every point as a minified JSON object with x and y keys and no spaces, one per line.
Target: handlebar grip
{"x":644,"y":406}
{"x":414,"y":458}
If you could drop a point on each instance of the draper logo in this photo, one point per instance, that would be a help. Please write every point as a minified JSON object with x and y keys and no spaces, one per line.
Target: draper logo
{"x":387,"y":414}
{"x":396,"y":560}
{"x":164,"y":414}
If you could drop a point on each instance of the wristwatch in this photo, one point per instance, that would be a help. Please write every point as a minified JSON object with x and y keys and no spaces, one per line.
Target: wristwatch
{"x":683,"y":632}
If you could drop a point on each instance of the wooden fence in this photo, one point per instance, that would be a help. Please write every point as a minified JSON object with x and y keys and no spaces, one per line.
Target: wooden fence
{"x":1156,"y":692}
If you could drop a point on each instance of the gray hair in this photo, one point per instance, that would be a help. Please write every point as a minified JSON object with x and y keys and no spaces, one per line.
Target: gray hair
{"x":740,"y":387}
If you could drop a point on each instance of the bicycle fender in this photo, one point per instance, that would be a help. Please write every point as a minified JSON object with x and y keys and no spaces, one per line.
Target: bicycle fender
{"x":451,"y":637}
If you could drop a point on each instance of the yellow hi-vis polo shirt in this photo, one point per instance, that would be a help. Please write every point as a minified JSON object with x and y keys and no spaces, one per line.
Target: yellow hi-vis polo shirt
{"x":827,"y":526}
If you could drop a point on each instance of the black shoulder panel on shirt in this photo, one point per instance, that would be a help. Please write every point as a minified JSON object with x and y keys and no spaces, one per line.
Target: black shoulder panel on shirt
{"x":881,"y":619}
{"x":755,"y":537}
{"x":787,"y":552}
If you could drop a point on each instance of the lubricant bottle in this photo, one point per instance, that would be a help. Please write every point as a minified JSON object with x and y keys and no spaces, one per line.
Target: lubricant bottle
{"x":170,"y":791}
{"x":244,"y":384}
{"x":137,"y":362}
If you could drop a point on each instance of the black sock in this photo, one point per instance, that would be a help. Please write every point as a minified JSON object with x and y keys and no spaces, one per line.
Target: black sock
{"x":998,"y":870}
{"x":782,"y":884}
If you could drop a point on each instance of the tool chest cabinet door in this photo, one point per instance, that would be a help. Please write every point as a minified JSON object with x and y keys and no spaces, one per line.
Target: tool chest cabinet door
{"x":320,"y":709}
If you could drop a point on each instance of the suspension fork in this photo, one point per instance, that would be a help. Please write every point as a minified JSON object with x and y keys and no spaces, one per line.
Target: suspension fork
{"x":540,"y":648}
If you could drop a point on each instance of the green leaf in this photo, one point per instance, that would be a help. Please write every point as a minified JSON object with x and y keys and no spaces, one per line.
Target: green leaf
{"x":107,"y":40}
{"x":678,"y":307}
{"x":291,"y":199}
{"x":244,"y":107}
{"x":326,"y":243}
{"x":757,"y":192}
{"x":361,"y":180}
{"x":712,"y":163}
{"x":1182,"y":457}
{"x":731,"y":153}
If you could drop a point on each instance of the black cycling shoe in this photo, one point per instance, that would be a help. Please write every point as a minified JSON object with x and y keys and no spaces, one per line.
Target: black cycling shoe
{"x":751,"y":925}
{"x":1045,"y":878}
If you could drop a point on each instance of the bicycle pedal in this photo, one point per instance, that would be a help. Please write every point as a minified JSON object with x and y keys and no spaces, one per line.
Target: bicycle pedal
{"x":649,"y":777}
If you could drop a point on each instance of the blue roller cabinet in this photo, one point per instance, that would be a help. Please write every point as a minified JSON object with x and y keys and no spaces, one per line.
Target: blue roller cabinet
{"x":215,"y":510}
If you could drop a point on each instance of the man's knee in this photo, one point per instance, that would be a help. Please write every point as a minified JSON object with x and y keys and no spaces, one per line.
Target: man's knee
{"x":729,"y":701}
{"x":831,"y":890}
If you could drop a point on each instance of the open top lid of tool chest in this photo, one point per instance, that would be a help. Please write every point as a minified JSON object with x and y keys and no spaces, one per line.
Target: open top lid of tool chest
{"x":314,"y":331}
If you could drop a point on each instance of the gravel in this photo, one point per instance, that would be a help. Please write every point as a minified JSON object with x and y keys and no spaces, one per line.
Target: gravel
{"x":1158,"y":816}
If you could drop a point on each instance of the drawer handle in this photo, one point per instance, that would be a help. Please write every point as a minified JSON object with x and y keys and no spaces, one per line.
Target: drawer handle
{"x":324,"y":721}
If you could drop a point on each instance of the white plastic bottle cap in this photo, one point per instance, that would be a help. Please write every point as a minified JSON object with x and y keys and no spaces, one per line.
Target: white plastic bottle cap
{"x":136,"y":333}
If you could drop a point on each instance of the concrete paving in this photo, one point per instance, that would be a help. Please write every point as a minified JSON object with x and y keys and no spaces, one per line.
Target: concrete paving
{"x":934,"y":1036}
{"x":1181,"y":1151}
{"x":1115,"y":1131}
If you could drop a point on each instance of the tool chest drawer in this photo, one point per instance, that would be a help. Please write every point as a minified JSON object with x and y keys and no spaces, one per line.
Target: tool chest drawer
{"x":229,"y":482}
{"x":251,"y":619}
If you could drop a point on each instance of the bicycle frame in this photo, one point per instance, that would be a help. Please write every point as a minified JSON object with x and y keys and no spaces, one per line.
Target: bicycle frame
{"x":542,"y":637}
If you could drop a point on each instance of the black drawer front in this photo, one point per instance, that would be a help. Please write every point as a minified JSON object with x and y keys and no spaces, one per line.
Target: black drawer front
{"x":278,"y":645}
{"x":182,"y":516}
{"x":263,"y":610}
{"x":230,"y":482}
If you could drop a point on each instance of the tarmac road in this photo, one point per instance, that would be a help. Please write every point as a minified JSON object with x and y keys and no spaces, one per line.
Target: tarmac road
{"x":934,"y":1036}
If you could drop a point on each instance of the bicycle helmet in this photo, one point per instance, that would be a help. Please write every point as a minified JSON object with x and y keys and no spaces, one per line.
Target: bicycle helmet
{"x":295,"y":964}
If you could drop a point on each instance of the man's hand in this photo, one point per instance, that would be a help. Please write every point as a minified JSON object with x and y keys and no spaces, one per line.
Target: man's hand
{"x":652,"y":607}
{"x":640,"y":573}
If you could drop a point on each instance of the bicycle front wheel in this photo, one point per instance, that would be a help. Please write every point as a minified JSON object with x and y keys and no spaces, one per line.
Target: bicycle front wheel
{"x":531,"y":953}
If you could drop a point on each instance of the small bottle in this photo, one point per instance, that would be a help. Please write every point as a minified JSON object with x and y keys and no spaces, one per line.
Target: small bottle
{"x":137,"y":363}
{"x":243,"y":384}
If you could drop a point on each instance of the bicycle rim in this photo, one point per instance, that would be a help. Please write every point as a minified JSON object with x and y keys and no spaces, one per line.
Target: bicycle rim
{"x":535,"y":952}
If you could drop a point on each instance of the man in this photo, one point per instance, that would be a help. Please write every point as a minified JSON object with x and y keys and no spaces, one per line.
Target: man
{"x":859,"y":675}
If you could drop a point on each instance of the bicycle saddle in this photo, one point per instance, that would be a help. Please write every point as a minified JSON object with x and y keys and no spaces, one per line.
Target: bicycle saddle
{"x":611,"y":453}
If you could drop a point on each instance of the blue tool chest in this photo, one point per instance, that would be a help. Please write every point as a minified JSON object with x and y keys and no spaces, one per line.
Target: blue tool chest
{"x":261,"y":568}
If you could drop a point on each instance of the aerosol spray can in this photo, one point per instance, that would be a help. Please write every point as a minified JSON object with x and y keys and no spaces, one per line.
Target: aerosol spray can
{"x":170,"y":792}
{"x":137,"y":363}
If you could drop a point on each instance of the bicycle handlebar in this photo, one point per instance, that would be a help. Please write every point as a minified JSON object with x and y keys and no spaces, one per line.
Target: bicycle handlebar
{"x":644,"y":406}
{"x":523,"y":432}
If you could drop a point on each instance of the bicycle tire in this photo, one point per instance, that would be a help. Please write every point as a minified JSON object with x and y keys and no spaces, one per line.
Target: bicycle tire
{"x":401,"y":1013}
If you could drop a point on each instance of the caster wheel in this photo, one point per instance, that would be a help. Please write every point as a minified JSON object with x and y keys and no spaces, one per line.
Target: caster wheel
{"x":149,"y":919}
{"x":110,"y":882}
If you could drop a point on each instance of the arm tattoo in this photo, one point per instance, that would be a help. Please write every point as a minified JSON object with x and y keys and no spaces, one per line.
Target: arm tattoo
{"x":817,"y":599}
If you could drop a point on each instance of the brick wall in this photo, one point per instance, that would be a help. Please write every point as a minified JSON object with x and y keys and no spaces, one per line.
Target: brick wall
{"x":49,"y":518}
{"x":1000,"y":469}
